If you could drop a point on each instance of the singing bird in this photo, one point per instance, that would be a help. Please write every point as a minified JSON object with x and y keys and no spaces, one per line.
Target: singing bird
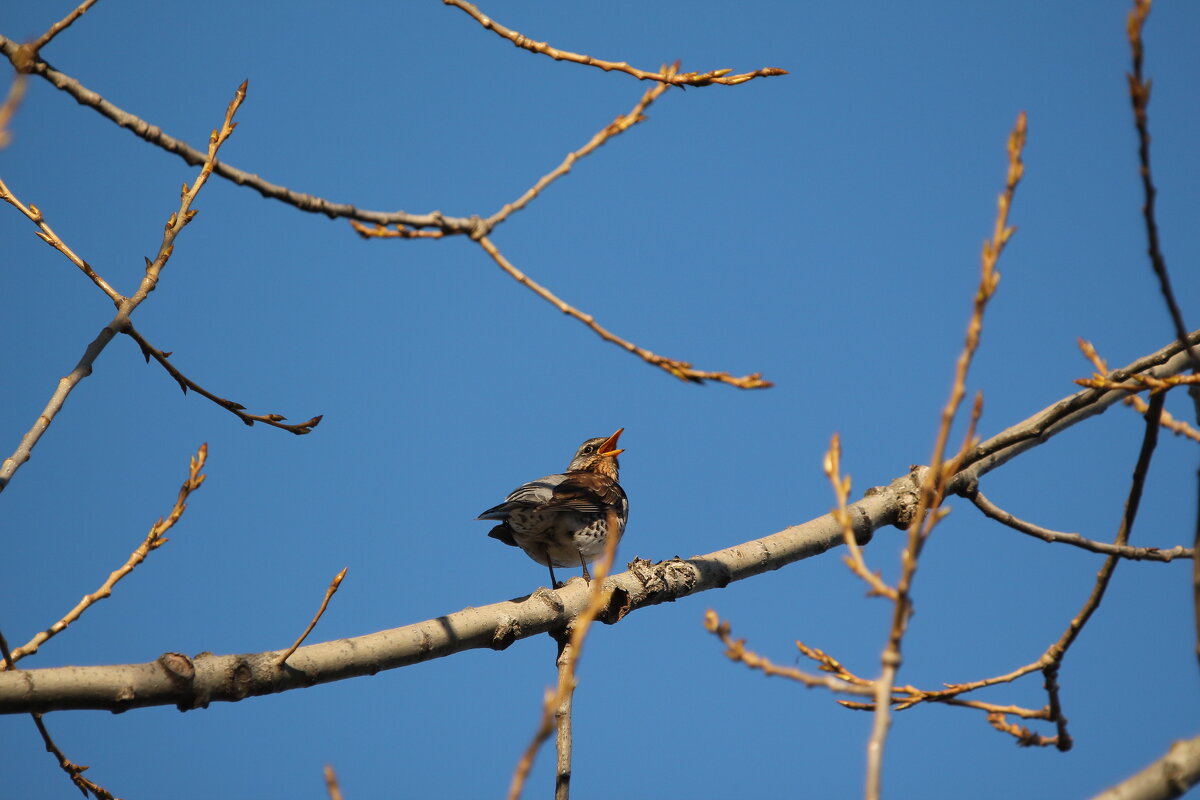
{"x":562,"y":520}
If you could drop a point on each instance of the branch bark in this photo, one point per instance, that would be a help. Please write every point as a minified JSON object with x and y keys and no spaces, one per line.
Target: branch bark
{"x":175,"y":679}
{"x":1170,"y":776}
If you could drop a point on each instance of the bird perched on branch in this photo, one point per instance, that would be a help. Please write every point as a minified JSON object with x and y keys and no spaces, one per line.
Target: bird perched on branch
{"x":562,"y":520}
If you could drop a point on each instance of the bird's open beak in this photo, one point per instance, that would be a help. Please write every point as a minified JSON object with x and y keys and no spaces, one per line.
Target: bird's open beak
{"x":609,"y":446}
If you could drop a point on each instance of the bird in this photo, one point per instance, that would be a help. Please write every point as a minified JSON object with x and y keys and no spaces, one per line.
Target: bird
{"x":563,"y":520}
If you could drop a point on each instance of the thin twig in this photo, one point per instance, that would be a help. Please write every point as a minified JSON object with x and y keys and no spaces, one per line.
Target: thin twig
{"x":598,"y":597}
{"x":719,"y":76}
{"x":1139,"y":95}
{"x":735,"y":650}
{"x":618,"y":126}
{"x":1052,"y":658}
{"x":680,"y":369}
{"x":331,"y":784}
{"x":47,"y":235}
{"x":1046,"y":535}
{"x":841,"y":680}
{"x":563,"y":742}
{"x":274,"y":420}
{"x":61,"y":25}
{"x":615,"y":128}
{"x":841,"y":490}
{"x":933,"y":489}
{"x":120,"y":322}
{"x":16,"y":93}
{"x":1101,"y":380}
{"x":333,"y":587}
{"x":73,"y":770}
{"x":154,"y":539}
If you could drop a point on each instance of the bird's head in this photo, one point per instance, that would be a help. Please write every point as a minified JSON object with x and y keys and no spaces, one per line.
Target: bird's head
{"x":598,"y":455}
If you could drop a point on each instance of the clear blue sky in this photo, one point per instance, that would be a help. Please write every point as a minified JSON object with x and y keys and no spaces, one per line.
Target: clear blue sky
{"x":823,"y":228}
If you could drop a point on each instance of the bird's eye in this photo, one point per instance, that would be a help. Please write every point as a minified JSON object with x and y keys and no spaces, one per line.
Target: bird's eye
{"x":589,"y":449}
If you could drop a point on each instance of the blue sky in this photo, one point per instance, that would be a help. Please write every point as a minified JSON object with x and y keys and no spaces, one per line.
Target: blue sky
{"x":823,"y":228}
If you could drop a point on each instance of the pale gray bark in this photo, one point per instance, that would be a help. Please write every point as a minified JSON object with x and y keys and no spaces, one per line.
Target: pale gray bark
{"x":1170,"y":776}
{"x":175,"y":679}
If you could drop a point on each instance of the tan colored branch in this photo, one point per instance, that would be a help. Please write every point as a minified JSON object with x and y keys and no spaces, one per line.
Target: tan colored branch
{"x":680,"y":369}
{"x":843,"y":681}
{"x":333,"y":587}
{"x":1100,"y":381}
{"x":841,"y":491}
{"x":47,"y":235}
{"x":237,"y":409}
{"x":16,"y":93}
{"x":718,"y":76}
{"x":735,"y":650}
{"x":61,"y":25}
{"x":331,"y":784}
{"x":615,"y":128}
{"x":121,"y":321}
{"x":618,"y":126}
{"x":936,"y":483}
{"x":154,"y":539}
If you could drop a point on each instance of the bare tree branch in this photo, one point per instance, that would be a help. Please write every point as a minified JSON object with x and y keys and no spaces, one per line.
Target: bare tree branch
{"x":935,"y":482}
{"x":155,"y":136}
{"x":1139,"y":96}
{"x":154,"y":539}
{"x":1168,"y":777}
{"x":1133,"y":553}
{"x":1175,"y":426}
{"x":719,"y":76}
{"x":563,"y":740}
{"x":680,"y":369}
{"x":174,"y":679}
{"x":61,"y":25}
{"x":333,"y":587}
{"x":47,"y":235}
{"x":735,"y":650}
{"x":237,"y":409}
{"x":598,"y":600}
{"x":177,"y":222}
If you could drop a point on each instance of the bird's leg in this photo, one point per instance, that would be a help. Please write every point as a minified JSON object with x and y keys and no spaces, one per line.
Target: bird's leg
{"x":583,"y":564}
{"x":554,"y":584}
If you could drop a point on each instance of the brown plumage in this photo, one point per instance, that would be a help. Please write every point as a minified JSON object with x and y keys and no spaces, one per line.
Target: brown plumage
{"x":562,"y":520}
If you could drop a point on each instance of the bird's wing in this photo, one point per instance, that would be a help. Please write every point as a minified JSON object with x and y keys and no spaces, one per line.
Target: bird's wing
{"x":587,"y":492}
{"x":534,"y":494}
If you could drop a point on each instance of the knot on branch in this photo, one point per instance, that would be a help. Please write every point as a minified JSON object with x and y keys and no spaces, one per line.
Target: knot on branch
{"x":507,"y":632}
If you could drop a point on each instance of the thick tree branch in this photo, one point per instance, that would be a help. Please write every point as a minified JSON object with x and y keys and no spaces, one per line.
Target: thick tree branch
{"x":1168,"y":777}
{"x":175,"y":679}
